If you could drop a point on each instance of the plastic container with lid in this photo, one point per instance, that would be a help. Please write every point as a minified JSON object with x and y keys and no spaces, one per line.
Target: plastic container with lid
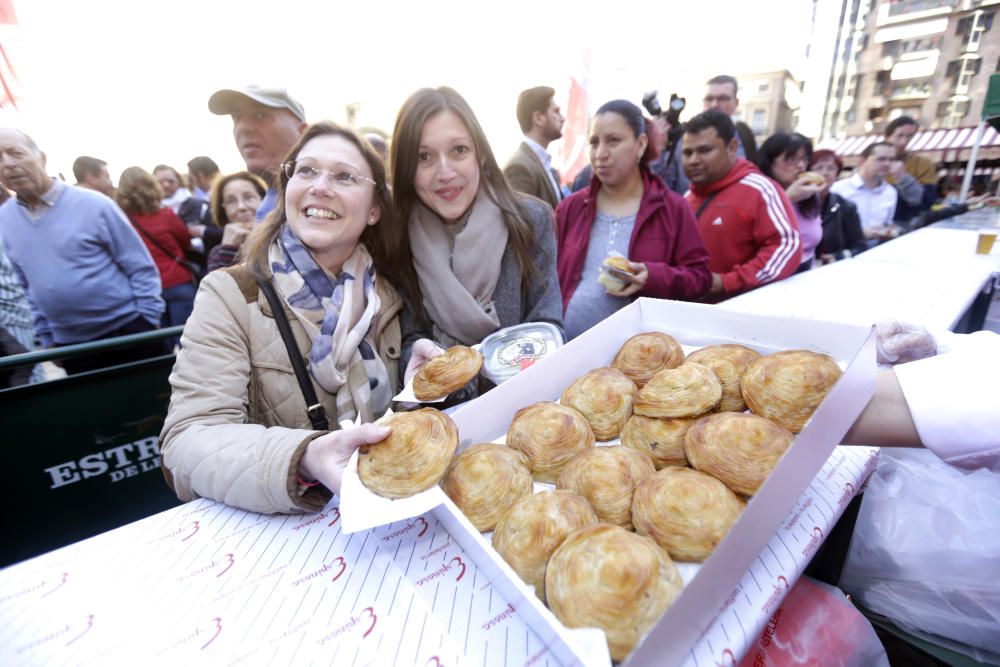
{"x":508,"y":351}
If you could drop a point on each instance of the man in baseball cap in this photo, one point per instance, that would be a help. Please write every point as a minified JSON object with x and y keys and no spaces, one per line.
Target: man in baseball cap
{"x":266,"y":124}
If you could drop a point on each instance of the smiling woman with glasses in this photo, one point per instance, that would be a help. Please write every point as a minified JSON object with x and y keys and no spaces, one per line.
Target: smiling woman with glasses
{"x":240,"y":428}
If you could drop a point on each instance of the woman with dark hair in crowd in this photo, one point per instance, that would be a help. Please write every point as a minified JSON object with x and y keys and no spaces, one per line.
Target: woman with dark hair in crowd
{"x":842,"y":234}
{"x":166,"y":237}
{"x":234,"y":200}
{"x":784,"y":157}
{"x":627,"y":211}
{"x":239,"y":428}
{"x":471,"y":255}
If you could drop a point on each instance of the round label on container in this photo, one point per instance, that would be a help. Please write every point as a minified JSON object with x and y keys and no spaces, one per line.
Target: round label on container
{"x":521,"y":350}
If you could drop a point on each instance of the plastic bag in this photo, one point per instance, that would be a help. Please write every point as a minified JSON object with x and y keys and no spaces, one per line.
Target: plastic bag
{"x":817,"y":625}
{"x":898,"y":342}
{"x":926,"y":551}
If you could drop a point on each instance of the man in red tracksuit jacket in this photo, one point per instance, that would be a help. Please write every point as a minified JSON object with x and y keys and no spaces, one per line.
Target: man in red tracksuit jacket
{"x":745,"y":219}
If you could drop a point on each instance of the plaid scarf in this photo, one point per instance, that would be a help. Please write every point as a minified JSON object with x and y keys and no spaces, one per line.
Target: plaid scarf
{"x":339,"y":316}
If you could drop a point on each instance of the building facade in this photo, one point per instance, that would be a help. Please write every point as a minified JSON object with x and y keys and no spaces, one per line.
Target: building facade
{"x":929,"y":59}
{"x":769,"y":102}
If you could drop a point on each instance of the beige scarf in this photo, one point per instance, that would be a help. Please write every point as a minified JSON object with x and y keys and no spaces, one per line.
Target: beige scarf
{"x":457,"y":282}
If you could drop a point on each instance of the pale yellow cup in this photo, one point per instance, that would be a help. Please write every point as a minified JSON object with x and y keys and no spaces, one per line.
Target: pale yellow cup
{"x":986,"y":240}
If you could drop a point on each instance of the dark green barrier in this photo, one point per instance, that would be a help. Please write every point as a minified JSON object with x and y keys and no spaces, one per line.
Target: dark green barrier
{"x":81,"y":455}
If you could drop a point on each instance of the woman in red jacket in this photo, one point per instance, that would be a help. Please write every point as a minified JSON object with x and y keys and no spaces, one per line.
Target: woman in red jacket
{"x":625,"y":211}
{"x":165,"y":235}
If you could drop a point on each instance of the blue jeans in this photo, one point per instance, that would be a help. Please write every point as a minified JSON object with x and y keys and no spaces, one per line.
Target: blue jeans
{"x":179,"y":301}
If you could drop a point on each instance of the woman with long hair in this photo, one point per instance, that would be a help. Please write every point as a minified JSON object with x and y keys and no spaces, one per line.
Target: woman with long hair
{"x":784,"y":157}
{"x":471,"y":255}
{"x":842,"y":233}
{"x":629,"y":212}
{"x":239,"y":428}
{"x":166,"y":237}
{"x":235,"y":199}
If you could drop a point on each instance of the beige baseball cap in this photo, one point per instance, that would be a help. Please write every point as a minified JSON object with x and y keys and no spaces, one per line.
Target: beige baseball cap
{"x":222,"y":101}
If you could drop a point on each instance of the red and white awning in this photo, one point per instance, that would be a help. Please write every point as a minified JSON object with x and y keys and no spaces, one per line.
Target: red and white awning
{"x":924,"y":141}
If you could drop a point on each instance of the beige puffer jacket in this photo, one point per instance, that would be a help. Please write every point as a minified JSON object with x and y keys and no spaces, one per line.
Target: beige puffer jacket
{"x":237,"y":424}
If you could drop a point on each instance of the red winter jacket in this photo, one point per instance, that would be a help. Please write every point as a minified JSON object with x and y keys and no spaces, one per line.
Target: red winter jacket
{"x":749,"y":228}
{"x":665,"y":239}
{"x":171,"y":233}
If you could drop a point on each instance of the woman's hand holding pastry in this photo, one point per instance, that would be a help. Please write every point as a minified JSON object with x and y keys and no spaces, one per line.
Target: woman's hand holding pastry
{"x":422,"y":351}
{"x":326,"y":457}
{"x":639,"y":278}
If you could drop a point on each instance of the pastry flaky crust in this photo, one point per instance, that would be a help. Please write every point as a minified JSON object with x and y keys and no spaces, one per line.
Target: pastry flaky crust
{"x":484,"y":481}
{"x":534,"y":527}
{"x":739,"y":449}
{"x":446,"y":373}
{"x":607,"y":477}
{"x":606,"y":577}
{"x":686,"y":391}
{"x":687,"y":512}
{"x":550,"y":435}
{"x":786,"y":387}
{"x":729,"y":362}
{"x":604,"y":396}
{"x":414,"y":456}
{"x":660,"y":439}
{"x":644,"y":355}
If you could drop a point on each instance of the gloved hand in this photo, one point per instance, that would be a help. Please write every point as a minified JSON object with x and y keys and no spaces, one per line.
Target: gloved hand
{"x":899,"y":342}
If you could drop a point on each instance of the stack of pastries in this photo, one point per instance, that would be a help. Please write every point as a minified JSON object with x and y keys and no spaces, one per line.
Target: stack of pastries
{"x":600,"y":546}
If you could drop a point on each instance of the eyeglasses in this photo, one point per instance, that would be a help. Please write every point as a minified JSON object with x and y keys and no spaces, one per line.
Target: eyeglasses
{"x":341,"y":180}
{"x":248,"y":200}
{"x":718,"y":98}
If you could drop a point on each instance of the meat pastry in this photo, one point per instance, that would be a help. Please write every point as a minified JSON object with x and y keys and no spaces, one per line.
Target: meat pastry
{"x":661,"y":439}
{"x":534,"y":527}
{"x":686,"y":391}
{"x":606,"y":577}
{"x":604,"y":396}
{"x":414,"y":456}
{"x":446,"y":373}
{"x":607,"y":477}
{"x":550,"y":435}
{"x":484,"y":481}
{"x":687,"y":512}
{"x":739,"y":449}
{"x":787,"y":386}
{"x":729,"y":362}
{"x":646,"y":354}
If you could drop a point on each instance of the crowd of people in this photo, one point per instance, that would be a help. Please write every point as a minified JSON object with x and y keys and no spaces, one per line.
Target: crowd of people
{"x":380,"y":260}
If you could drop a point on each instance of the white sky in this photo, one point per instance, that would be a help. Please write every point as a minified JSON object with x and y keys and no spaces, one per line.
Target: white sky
{"x":128,"y":81}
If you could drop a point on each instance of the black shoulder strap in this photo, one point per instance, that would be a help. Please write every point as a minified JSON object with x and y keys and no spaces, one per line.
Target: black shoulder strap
{"x":704,"y":204}
{"x":157,"y":243}
{"x":314,"y":409}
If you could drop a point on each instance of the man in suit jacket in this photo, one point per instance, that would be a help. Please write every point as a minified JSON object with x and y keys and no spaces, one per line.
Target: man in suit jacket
{"x":530,"y":168}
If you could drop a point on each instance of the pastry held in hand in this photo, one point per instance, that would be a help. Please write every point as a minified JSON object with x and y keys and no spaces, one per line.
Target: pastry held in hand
{"x":687,"y":512}
{"x":604,"y":396}
{"x":644,"y":355}
{"x":414,"y":456}
{"x":446,"y":373}
{"x":607,"y":477}
{"x":737,"y":448}
{"x":786,"y":387}
{"x":616,"y":273}
{"x":605,"y":577}
{"x":534,"y":527}
{"x":686,"y":391}
{"x":485,"y":480}
{"x":550,"y":435}
{"x":729,"y":362}
{"x":660,"y":439}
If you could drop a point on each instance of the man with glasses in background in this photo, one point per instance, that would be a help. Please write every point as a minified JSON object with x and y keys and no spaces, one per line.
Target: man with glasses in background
{"x":266,"y":124}
{"x":720,"y":95}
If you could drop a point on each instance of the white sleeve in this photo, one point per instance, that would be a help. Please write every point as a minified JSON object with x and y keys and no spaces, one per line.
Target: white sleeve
{"x":954,"y":400}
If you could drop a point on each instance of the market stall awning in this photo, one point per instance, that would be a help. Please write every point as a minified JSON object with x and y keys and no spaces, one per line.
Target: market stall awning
{"x":927,"y":140}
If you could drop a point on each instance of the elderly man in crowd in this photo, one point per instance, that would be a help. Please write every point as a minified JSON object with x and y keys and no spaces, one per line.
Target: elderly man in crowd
{"x":86,"y":272}
{"x":266,"y":124}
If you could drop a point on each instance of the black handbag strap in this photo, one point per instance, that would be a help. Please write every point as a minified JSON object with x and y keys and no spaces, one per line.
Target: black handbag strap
{"x":314,"y":409}
{"x":152,"y":240}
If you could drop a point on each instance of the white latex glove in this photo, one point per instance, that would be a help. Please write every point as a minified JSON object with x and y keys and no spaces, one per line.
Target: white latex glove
{"x":899,"y":342}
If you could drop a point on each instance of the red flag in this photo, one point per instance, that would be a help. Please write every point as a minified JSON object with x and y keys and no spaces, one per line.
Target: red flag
{"x":8,"y":76}
{"x":574,"y":151}
{"x":7,"y":15}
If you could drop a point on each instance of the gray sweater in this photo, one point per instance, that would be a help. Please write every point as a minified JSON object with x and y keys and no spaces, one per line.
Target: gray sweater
{"x":540,"y":302}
